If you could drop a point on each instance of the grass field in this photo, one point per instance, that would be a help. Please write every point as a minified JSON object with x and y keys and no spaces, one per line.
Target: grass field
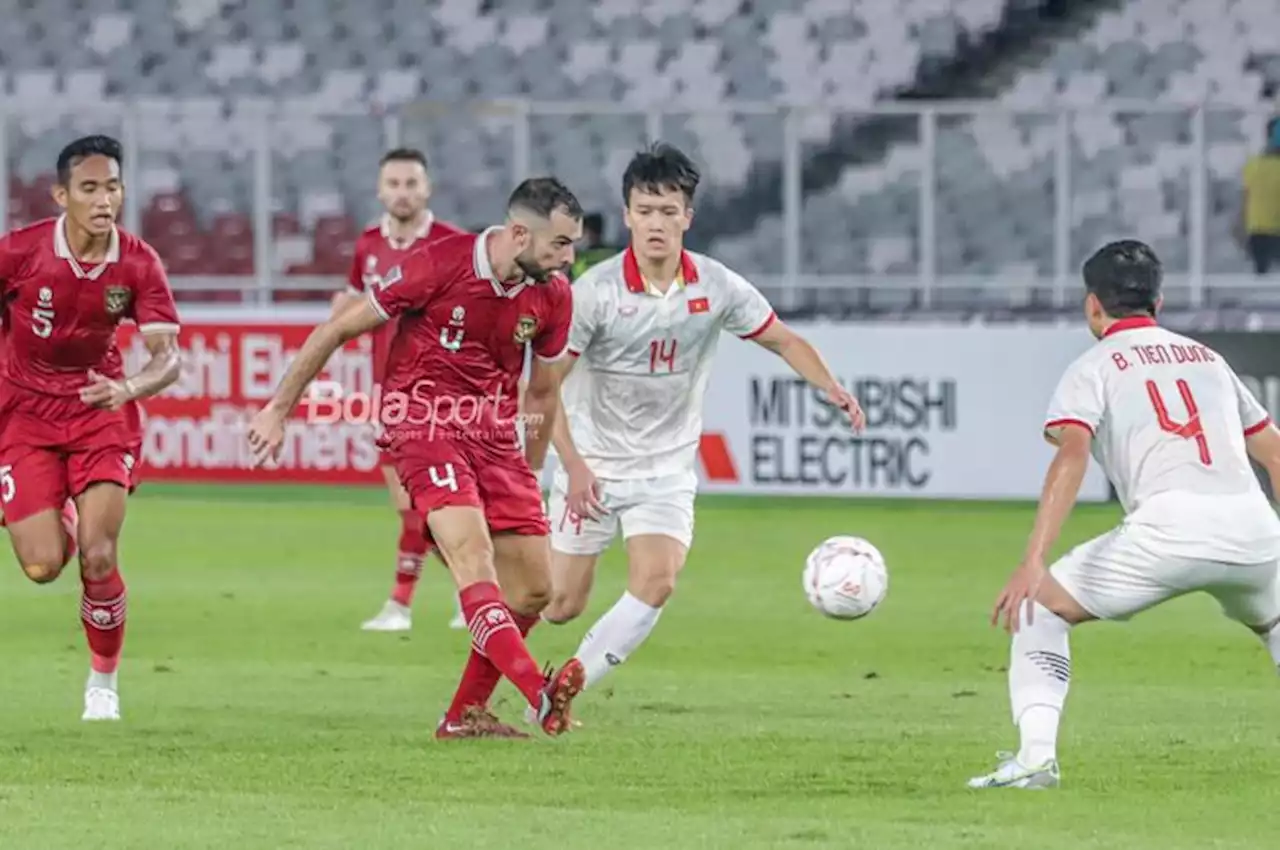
{"x":257,"y":715}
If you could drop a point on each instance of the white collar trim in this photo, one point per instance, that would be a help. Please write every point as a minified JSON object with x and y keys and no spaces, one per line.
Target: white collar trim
{"x":484,"y":269}
{"x":384,"y":228}
{"x":62,"y":250}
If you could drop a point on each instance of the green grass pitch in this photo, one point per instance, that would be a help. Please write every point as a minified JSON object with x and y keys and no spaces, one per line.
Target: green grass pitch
{"x":257,"y":715}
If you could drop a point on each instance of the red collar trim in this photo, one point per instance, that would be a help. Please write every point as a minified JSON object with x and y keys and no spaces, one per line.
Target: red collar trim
{"x":635,"y":280}
{"x":1129,"y":324}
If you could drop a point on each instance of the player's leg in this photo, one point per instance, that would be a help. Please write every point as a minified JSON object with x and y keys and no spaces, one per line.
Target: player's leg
{"x":658,"y":530}
{"x":411,"y":551}
{"x":523,"y":572}
{"x":576,"y":544}
{"x":1250,"y":595}
{"x":442,"y":479}
{"x":1111,"y":577}
{"x":103,"y":600}
{"x":40,"y":521}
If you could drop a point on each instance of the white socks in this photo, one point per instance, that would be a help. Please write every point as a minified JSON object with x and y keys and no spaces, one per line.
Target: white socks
{"x":1272,"y":640}
{"x":101,"y":680}
{"x":1039,"y":675}
{"x":616,"y":635}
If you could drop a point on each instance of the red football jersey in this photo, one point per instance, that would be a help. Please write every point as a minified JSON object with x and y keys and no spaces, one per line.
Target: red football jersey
{"x":376,"y":254}
{"x":60,"y":318}
{"x":457,"y":359}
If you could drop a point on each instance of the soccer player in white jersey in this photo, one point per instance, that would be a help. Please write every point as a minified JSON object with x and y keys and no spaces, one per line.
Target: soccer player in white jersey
{"x":1174,"y":429}
{"x":645,"y":328}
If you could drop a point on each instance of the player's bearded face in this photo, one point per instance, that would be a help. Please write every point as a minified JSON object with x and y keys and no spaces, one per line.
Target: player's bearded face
{"x":93,"y":195}
{"x":403,"y":189}
{"x":658,"y":221}
{"x":549,"y":246}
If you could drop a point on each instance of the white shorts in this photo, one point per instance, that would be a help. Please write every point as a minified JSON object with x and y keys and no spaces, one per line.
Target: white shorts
{"x":642,"y":506}
{"x":1124,"y":572}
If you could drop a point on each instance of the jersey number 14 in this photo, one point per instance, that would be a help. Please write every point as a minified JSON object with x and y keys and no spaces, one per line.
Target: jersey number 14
{"x":1192,"y":429}
{"x":662,"y":352}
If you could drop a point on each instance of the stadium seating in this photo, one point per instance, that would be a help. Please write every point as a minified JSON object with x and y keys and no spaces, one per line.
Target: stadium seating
{"x":208,"y":75}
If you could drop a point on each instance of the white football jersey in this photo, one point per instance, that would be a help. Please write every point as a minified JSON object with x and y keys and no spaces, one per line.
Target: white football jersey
{"x":1169,"y":419}
{"x":634,"y":399}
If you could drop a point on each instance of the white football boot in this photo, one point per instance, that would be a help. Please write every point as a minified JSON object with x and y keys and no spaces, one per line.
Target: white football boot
{"x":1011,"y":773}
{"x":101,"y":704}
{"x":393,"y":617}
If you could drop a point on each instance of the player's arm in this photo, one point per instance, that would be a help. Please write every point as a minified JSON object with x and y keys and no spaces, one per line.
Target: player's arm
{"x":357,"y":318}
{"x":541,"y":410}
{"x":404,"y":288}
{"x":354,"y":290}
{"x":1061,"y":488}
{"x":552,"y":356}
{"x":154,"y":312}
{"x":1074,"y":415}
{"x":751,"y":317}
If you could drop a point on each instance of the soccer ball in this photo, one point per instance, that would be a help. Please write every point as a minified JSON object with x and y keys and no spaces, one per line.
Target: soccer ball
{"x":845,"y":578}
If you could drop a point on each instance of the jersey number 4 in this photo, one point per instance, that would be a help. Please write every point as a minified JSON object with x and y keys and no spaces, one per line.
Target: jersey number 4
{"x":1192,"y":429}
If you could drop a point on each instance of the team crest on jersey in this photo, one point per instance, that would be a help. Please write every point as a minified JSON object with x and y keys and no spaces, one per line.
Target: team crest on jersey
{"x":526,"y":327}
{"x":117,"y":299}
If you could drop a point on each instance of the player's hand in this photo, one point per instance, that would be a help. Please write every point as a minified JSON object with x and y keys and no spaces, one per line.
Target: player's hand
{"x":266,"y":435}
{"x":583,"y":498}
{"x":1022,"y":587}
{"x":106,"y":393}
{"x":843,"y":399}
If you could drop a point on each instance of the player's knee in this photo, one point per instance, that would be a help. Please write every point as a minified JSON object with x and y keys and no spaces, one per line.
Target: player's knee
{"x":655,"y":587}
{"x":564,"y":607}
{"x":42,"y":571}
{"x":98,"y":559}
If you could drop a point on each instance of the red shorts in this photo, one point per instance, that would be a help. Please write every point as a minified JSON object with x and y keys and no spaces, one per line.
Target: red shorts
{"x":461,"y":473}
{"x":52,"y":448}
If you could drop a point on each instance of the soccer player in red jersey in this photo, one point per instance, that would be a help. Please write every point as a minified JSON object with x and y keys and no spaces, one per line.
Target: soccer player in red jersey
{"x":468,"y":308}
{"x":70,"y":424}
{"x":404,"y":188}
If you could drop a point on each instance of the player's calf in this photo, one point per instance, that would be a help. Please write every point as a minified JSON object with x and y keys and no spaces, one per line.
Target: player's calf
{"x":571,"y":578}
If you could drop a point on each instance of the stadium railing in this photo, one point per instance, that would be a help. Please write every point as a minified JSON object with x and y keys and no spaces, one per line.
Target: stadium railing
{"x":1198,"y":158}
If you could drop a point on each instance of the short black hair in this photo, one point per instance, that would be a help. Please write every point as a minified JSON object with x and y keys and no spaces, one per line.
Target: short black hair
{"x":542,"y":196}
{"x":661,"y":168}
{"x":85,"y":147}
{"x":404,"y":155}
{"x":1125,"y":276}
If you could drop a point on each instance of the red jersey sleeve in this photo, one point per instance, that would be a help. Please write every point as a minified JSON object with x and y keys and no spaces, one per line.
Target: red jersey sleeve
{"x":10,"y":260}
{"x":355,"y":276}
{"x":553,"y":342}
{"x":410,"y":285}
{"x":153,"y":310}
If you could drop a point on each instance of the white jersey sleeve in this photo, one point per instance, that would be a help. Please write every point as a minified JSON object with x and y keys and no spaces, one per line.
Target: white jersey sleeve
{"x":1253,"y":416}
{"x":586,"y":315}
{"x":1079,"y":399}
{"x":748,"y":313}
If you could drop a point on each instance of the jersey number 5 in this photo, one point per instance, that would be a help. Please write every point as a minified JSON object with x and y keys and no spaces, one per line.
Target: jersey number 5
{"x":1192,"y":429}
{"x":42,"y":321}
{"x":662,"y":351}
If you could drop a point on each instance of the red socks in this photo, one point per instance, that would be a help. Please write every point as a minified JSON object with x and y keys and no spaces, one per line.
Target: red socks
{"x":480,"y":677}
{"x":497,"y":639}
{"x":412,"y":549}
{"x":102,"y":609}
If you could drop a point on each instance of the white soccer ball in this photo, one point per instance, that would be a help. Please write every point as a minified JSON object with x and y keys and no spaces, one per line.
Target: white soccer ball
{"x":845,"y":578}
